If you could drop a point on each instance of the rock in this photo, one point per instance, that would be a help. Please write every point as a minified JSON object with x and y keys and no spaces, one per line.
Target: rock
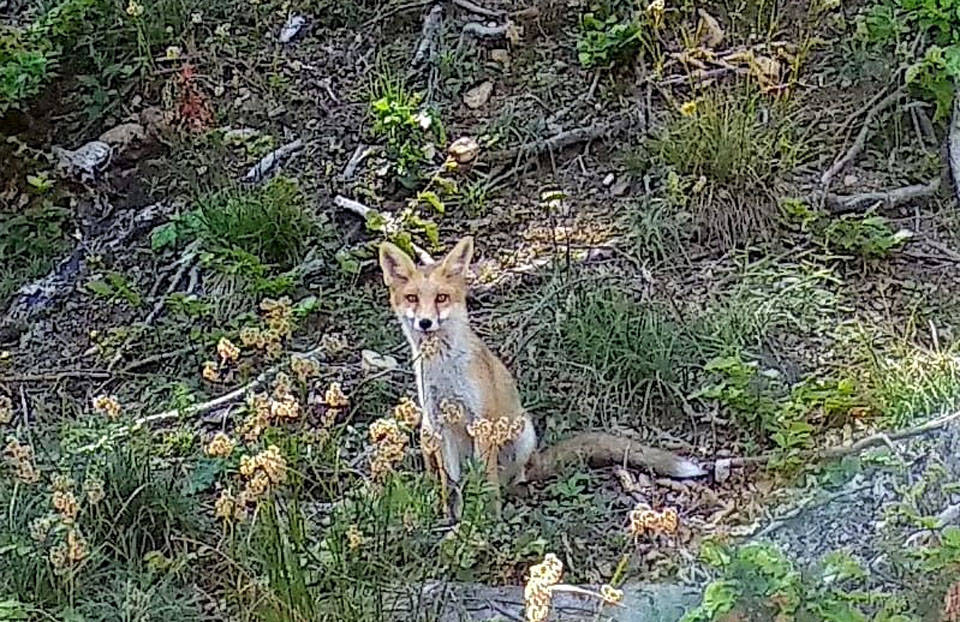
{"x":849,"y":180}
{"x":291,"y":28}
{"x":370,"y":361}
{"x":500,"y":56}
{"x":609,"y":179}
{"x":124,"y":136}
{"x":721,"y":470}
{"x":87,"y":161}
{"x":620,"y":188}
{"x":463,"y":150}
{"x":478,"y":95}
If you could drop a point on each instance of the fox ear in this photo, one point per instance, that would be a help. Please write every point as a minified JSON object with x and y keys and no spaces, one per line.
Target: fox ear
{"x":458,"y":260}
{"x":396,"y":264}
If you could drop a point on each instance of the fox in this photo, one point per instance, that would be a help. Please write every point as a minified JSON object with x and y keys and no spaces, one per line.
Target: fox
{"x":470,"y":403}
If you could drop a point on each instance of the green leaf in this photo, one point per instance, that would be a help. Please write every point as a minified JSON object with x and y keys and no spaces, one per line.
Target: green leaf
{"x":163,"y":236}
{"x":203,"y":475}
{"x":100,"y":288}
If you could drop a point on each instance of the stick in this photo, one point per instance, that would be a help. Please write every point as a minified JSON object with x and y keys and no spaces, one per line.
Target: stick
{"x":861,"y":140}
{"x":195,"y":409}
{"x":359,"y":155}
{"x":880,"y":438}
{"x":561,"y":140}
{"x":428,"y":38}
{"x":842,"y":204}
{"x":479,"y":30}
{"x":363,"y":211}
{"x":953,"y":145}
{"x":259,"y":171}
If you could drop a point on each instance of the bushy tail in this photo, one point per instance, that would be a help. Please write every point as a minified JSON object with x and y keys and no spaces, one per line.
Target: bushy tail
{"x":601,"y":449}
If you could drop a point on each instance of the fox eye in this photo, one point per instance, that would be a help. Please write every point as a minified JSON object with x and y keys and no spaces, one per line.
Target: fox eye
{"x":442,"y":298}
{"x":412,"y":298}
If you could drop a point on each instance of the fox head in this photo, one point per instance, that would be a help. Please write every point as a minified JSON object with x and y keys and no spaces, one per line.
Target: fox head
{"x":429,"y":297}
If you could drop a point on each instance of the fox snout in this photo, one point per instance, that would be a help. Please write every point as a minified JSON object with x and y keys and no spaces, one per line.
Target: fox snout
{"x":427,"y":324}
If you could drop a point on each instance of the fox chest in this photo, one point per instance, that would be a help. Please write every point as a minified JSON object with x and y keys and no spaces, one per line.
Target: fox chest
{"x":449,"y":397}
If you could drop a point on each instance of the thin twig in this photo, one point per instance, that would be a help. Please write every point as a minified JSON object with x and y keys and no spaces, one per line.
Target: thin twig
{"x":861,"y":140}
{"x":561,"y":140}
{"x":196,"y":409}
{"x":428,"y":38}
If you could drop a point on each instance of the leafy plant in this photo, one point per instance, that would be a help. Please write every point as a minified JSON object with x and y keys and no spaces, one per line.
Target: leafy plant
{"x":607,"y":40}
{"x":869,"y":236}
{"x":410,"y":131}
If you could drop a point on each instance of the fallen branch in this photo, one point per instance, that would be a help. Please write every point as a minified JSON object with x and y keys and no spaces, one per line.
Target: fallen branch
{"x":262,"y":169}
{"x":880,"y":438}
{"x":364,"y":212}
{"x":953,"y":146}
{"x":359,"y":155}
{"x":196,"y":409}
{"x":477,"y":9}
{"x":861,"y":140}
{"x":429,"y":34}
{"x":841,"y":204}
{"x":480,"y":30}
{"x":561,"y":140}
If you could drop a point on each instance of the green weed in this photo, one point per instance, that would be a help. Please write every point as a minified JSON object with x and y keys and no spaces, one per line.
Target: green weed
{"x":729,"y":159}
{"x":408,"y":129}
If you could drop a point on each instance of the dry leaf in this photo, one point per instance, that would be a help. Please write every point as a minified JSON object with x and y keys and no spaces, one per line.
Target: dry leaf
{"x":478,"y":95}
{"x":370,"y":360}
{"x":764,"y":68}
{"x":709,"y":31}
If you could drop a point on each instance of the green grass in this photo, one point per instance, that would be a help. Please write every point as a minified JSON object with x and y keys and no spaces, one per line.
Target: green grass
{"x":728,"y":159}
{"x":31,"y":242}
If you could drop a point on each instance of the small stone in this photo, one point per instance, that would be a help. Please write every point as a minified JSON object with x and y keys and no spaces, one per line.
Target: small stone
{"x":620,"y":188}
{"x":291,"y":28}
{"x":500,"y":56}
{"x":478,"y":95}
{"x":849,"y":180}
{"x":721,"y":470}
{"x":123,"y":136}
{"x":609,"y":179}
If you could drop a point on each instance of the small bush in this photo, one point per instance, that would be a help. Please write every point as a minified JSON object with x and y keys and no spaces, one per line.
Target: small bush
{"x":408,"y":129}
{"x":270,"y":222}
{"x":729,"y":160}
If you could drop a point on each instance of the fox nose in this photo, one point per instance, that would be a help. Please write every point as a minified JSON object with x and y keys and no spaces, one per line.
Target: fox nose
{"x":426,"y":323}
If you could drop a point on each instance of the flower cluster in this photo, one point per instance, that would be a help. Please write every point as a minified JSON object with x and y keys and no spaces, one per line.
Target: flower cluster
{"x":335,"y":397}
{"x":645,"y":520}
{"x":451,"y":411}
{"x":389,"y":442}
{"x":65,"y":503}
{"x":611,"y":594}
{"x":228,"y":507}
{"x":495,"y":432}
{"x":262,"y":472}
{"x":430,"y":346}
{"x":266,"y":409}
{"x":355,"y":537}
{"x":278,"y":314}
{"x":69,"y":553}
{"x":407,"y":412}
{"x":304,"y":367}
{"x":93,"y":489}
{"x":536,"y":593}
{"x":228,"y":354}
{"x":221,"y":446}
{"x":107,"y":405}
{"x":20,"y":459}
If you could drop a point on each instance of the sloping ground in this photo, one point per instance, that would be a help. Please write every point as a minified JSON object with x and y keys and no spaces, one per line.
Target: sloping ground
{"x":635,"y":271}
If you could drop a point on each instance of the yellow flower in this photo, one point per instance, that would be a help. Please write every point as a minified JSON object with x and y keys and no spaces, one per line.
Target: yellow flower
{"x":225,"y":348}
{"x":20,"y":458}
{"x":407,"y":412}
{"x":76,"y":546}
{"x":66,"y":505}
{"x":536,"y":593}
{"x":285,"y":408}
{"x":61,"y":483}
{"x":250,"y":337}
{"x":134,"y":9}
{"x":281,"y":386}
{"x":430,"y":347}
{"x":210,"y":373}
{"x":643,"y":520}
{"x":221,"y":446}
{"x":6,"y":410}
{"x":354,"y":537}
{"x":655,"y":11}
{"x":40,"y":528}
{"x":304,"y":367}
{"x":611,"y":594}
{"x":689,"y":108}
{"x":107,"y":405}
{"x":335,"y":397}
{"x":227,"y":507}
{"x":173,"y":52}
{"x":279,"y":315}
